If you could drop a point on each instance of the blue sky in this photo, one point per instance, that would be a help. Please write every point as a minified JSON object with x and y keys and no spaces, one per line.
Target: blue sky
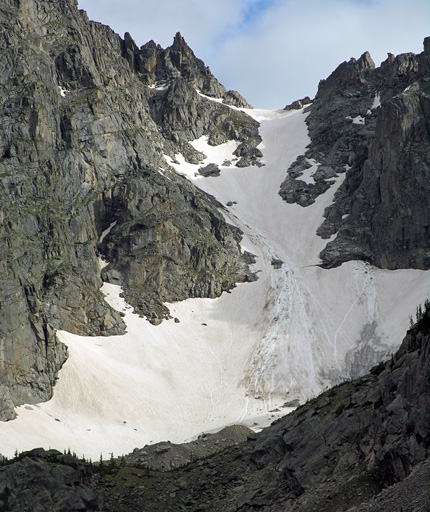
{"x":272,"y":51}
{"x":254,"y":9}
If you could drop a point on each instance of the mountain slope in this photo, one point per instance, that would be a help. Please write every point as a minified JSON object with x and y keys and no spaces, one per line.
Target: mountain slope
{"x":248,"y":354}
{"x":80,"y":150}
{"x":335,"y":453}
{"x":131,"y":179}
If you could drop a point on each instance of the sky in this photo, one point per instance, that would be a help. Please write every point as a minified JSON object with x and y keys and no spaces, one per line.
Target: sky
{"x":272,"y":51}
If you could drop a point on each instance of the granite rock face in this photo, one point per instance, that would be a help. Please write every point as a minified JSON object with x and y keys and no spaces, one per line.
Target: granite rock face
{"x":169,"y":243}
{"x":372,"y":125}
{"x":84,"y":127}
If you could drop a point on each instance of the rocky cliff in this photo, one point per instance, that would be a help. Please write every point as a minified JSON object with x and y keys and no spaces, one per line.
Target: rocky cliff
{"x":86,"y":118}
{"x":372,"y":125}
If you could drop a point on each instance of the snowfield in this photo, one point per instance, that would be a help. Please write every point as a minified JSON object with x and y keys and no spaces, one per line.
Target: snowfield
{"x":241,"y":358}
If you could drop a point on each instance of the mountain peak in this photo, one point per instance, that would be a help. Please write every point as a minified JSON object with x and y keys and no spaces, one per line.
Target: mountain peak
{"x":365,"y":62}
{"x":178,"y":40}
{"x":181,"y":47}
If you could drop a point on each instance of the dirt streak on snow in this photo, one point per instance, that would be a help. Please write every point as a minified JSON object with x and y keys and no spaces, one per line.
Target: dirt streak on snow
{"x":235,"y":358}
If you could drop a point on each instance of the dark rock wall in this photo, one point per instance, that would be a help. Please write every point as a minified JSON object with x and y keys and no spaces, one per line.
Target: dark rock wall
{"x":81,"y":146}
{"x":169,"y":243}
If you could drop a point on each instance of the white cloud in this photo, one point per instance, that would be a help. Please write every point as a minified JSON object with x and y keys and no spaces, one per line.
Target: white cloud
{"x":283,"y":56}
{"x":273,"y":51}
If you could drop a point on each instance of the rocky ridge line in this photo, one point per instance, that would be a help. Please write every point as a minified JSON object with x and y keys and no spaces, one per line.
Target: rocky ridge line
{"x":157,"y":67}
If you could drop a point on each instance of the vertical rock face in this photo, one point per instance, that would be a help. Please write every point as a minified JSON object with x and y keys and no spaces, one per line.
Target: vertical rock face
{"x":168,"y":244}
{"x":81,"y":142}
{"x":373,"y":125}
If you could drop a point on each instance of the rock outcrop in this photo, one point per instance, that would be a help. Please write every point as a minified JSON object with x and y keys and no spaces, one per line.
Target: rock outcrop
{"x":47,"y":480}
{"x":298,"y":104}
{"x":168,"y":243}
{"x":372,"y":125}
{"x":84,"y":128}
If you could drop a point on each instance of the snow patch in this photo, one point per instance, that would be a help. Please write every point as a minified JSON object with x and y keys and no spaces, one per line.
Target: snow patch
{"x":63,"y":92}
{"x":159,"y":88}
{"x":376,"y":101}
{"x":219,"y":155}
{"x":215,"y":154}
{"x":308,"y":174}
{"x":210,"y":98}
{"x":356,"y":119}
{"x":106,"y":232}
